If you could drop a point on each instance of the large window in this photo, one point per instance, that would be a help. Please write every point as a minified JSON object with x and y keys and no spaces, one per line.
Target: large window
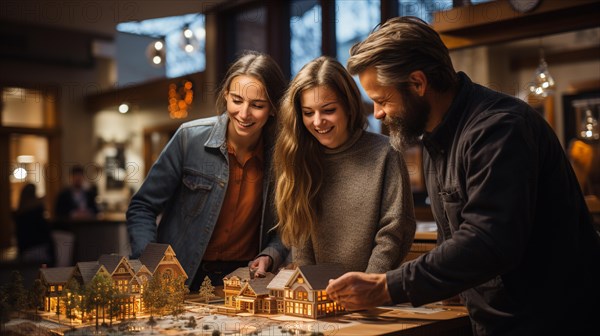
{"x":355,"y":19}
{"x":422,"y":9}
{"x":305,"y":31}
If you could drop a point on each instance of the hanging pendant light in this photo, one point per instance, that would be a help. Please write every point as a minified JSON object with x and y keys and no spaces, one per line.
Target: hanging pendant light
{"x":542,"y":84}
{"x":590,"y":126}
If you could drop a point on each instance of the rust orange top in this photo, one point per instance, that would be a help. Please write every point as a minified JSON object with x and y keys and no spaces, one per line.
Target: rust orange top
{"x":236,"y":234}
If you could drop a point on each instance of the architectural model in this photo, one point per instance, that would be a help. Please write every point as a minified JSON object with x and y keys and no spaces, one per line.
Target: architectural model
{"x":296,"y":292}
{"x":129,"y":278}
{"x":299,"y":292}
{"x":150,"y":293}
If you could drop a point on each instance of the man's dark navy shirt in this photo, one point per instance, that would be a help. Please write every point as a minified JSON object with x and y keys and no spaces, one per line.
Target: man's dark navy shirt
{"x":516,"y":238}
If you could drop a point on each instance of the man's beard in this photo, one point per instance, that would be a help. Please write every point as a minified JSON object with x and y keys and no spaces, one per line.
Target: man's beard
{"x":407,"y":127}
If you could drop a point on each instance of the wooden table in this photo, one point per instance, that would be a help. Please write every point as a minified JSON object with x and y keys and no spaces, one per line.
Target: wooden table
{"x":434,"y":320}
{"x":429,"y":320}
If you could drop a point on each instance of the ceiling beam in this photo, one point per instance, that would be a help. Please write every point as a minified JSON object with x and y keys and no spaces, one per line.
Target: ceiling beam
{"x":497,"y":21}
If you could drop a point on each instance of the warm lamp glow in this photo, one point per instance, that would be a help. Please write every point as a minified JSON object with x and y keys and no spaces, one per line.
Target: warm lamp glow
{"x":20,"y":173}
{"x":180,"y":99}
{"x":590,"y":126}
{"x":542,"y":83}
{"x":123,"y":108}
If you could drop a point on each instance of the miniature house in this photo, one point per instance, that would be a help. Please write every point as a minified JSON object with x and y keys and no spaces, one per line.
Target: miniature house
{"x":161,"y":258}
{"x":277,"y":288}
{"x":254,"y":296}
{"x":232,"y":285}
{"x":299,"y":292}
{"x":54,"y":279}
{"x":129,"y":276}
{"x":142,"y":275}
{"x":305,"y":294}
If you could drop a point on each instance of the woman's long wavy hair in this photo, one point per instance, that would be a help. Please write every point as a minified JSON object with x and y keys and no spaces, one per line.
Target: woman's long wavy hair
{"x":298,"y":157}
{"x":264,"y":68}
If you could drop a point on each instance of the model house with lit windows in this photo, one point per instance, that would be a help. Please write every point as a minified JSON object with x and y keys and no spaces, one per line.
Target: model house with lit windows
{"x":277,"y":288}
{"x":232,"y":285}
{"x":128,"y":276}
{"x":54,"y":280}
{"x":299,"y":292}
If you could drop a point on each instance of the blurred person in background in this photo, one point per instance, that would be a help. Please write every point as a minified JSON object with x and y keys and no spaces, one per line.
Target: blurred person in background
{"x":33,"y":231}
{"x":77,"y":201}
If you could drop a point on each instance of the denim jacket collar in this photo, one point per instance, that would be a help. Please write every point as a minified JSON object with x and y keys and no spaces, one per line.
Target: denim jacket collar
{"x":218,"y":135}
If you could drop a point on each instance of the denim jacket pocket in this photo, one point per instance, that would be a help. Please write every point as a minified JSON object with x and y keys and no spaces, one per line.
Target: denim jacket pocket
{"x":195,"y":191}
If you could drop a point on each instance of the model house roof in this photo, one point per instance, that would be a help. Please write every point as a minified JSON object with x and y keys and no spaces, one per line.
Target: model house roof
{"x":88,"y":269}
{"x":153,"y":254}
{"x":281,"y":279}
{"x":57,"y":275}
{"x":110,"y":261}
{"x":259,"y":285}
{"x":243,"y":273}
{"x":136,"y":265}
{"x":317,"y":276}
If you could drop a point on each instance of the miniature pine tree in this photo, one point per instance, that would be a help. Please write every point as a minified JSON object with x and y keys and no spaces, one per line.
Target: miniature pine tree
{"x":39,"y":291}
{"x":115,"y":307}
{"x":177,"y":291}
{"x":72,"y":299}
{"x":97,"y":293}
{"x":155,"y":296}
{"x":207,"y":290}
{"x":16,"y":293}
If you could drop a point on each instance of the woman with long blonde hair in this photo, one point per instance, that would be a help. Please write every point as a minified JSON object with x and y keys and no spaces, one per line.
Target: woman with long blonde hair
{"x":343,"y":194}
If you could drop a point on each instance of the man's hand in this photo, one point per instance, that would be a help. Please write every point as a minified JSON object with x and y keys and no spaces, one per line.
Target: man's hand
{"x":357,"y":290}
{"x":259,"y":266}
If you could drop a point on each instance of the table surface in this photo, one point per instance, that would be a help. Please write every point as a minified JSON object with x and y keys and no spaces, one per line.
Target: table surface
{"x":432,"y":319}
{"x":435,"y":319}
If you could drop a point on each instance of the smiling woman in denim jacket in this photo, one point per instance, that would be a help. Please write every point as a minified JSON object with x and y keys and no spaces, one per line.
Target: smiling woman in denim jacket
{"x":213,"y":183}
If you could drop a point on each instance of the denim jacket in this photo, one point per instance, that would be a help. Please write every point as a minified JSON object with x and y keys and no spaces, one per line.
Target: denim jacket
{"x":187,"y":185}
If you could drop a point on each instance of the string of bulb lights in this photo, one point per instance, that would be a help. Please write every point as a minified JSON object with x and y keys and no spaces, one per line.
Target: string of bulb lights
{"x":190,"y":41}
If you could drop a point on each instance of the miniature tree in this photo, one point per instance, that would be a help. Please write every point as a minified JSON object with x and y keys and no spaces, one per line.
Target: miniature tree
{"x":113,"y":300}
{"x":16,"y":293}
{"x":207,"y":290}
{"x":154,"y":296}
{"x":97,"y":293}
{"x":72,"y":299}
{"x":176,"y":295}
{"x":116,"y":305}
{"x":38,"y":294}
{"x":58,"y":304}
{"x":216,"y":333}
